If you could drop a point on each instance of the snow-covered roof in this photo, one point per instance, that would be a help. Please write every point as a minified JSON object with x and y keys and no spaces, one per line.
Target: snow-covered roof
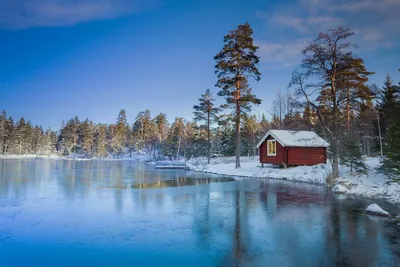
{"x":295,"y":138}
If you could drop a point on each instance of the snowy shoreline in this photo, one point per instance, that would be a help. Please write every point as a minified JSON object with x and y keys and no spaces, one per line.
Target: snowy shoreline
{"x":373,"y":185}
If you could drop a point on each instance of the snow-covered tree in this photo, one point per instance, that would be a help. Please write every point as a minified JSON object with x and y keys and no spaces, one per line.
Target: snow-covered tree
{"x":86,"y":137}
{"x":120,"y":134}
{"x":100,"y":145}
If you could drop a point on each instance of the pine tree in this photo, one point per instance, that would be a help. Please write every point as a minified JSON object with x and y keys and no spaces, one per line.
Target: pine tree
{"x":17,"y":143}
{"x":275,"y":122}
{"x":3,"y":131}
{"x":264,"y":125}
{"x":391,"y":163}
{"x":9,"y":136}
{"x":390,"y":107}
{"x":226,"y":135}
{"x":111,"y":140}
{"x":296,"y":122}
{"x":49,"y":142}
{"x":101,"y":140}
{"x":29,"y":139}
{"x":177,"y":137}
{"x":249,"y":135}
{"x":162,"y":132}
{"x":37,"y":141}
{"x":206,"y":112}
{"x":388,"y":99}
{"x":86,"y":138}
{"x":351,"y":154}
{"x":351,"y":83}
{"x":144,"y":131}
{"x":307,"y":118}
{"x":193,"y":142}
{"x":367,"y":118}
{"x":236,"y":62}
{"x":120,"y":133}
{"x":68,"y":139}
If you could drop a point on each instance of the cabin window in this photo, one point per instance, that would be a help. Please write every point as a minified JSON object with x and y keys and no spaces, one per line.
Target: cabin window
{"x":271,"y":148}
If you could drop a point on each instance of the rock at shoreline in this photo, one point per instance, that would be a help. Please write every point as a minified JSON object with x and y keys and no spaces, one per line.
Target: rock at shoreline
{"x":339,"y":189}
{"x":374,"y":209}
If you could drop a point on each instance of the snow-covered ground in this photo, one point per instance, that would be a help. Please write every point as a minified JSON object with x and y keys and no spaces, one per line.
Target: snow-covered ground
{"x":371,"y":185}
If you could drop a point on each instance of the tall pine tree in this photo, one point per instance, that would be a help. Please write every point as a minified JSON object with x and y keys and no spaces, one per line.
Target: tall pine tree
{"x":235,"y":63}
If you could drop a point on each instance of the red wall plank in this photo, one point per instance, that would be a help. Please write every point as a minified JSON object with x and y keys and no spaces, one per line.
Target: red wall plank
{"x":306,"y":155}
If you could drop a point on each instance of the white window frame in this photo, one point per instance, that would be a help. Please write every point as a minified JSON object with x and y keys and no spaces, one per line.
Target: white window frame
{"x":268,"y":142}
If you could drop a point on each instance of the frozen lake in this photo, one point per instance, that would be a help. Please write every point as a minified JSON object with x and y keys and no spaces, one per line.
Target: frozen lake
{"x":123,"y":213}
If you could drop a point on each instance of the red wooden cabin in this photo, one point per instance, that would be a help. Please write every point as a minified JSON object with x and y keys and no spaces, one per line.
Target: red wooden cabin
{"x":281,"y":147}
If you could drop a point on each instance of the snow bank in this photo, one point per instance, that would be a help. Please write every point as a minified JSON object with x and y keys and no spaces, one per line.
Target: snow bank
{"x":374,"y":209}
{"x":372,"y":185}
{"x":312,"y":174}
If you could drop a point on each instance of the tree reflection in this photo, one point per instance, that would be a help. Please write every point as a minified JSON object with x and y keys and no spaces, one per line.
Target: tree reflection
{"x":180,"y":182}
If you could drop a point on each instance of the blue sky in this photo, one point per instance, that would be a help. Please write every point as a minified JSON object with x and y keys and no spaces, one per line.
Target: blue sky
{"x":92,"y":58}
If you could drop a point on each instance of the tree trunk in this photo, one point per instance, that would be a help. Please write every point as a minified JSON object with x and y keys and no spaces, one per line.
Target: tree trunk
{"x":208,"y":138}
{"x":237,"y":135}
{"x":348,"y":110}
{"x":75,"y":141}
{"x":335,"y":152}
{"x":254,"y":145}
{"x":335,"y":159}
{"x":179,"y":148}
{"x":380,"y":136}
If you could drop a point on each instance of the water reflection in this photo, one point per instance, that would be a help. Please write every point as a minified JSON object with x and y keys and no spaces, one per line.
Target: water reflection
{"x":181,"y":181}
{"x":75,"y":212}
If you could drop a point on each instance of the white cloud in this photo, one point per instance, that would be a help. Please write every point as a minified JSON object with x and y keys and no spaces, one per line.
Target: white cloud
{"x":375,"y":24}
{"x":290,"y":21}
{"x":281,"y":54}
{"x":366,"y":5}
{"x":19,"y":14}
{"x":306,"y":24}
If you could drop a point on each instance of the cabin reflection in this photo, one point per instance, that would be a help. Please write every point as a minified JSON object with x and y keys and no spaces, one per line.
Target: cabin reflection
{"x":274,"y":198}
